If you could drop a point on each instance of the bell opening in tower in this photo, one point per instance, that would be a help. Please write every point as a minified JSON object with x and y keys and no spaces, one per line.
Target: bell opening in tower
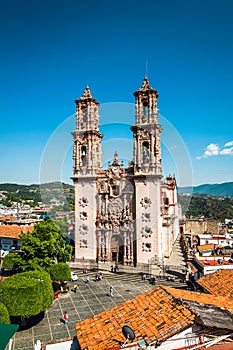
{"x":145,"y":109}
{"x":83,"y":154}
{"x":145,"y":152}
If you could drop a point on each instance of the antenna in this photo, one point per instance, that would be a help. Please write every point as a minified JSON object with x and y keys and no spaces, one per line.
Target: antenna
{"x":146,"y":72}
{"x":128,"y":333}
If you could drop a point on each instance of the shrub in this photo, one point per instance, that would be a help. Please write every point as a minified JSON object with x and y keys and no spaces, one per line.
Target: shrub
{"x":4,"y":314}
{"x":27,"y":293}
{"x":60,"y":272}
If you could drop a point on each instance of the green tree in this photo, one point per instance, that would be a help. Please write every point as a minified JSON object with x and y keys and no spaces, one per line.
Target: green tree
{"x":9,"y":261}
{"x":43,"y":247}
{"x":27,"y":293}
{"x":60,"y":272}
{"x":4,"y":314}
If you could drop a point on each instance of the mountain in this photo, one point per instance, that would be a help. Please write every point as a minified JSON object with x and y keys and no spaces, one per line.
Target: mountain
{"x":218,"y":190}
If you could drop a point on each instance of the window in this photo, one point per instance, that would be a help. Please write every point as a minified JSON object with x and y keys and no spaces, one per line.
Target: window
{"x":83,"y":155}
{"x":145,"y":152}
{"x":115,"y":190}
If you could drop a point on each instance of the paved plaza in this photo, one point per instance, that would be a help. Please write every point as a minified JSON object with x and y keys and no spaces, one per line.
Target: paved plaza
{"x":89,"y":299}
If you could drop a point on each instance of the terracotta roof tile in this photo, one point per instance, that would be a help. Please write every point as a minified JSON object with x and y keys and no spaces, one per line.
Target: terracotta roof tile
{"x":14,"y":231}
{"x":153,"y":315}
{"x":201,"y":298}
{"x":218,"y":283}
{"x":205,"y":247}
{"x":214,"y":262}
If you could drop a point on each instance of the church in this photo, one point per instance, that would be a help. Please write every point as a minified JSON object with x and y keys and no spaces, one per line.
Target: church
{"x":123,"y":215}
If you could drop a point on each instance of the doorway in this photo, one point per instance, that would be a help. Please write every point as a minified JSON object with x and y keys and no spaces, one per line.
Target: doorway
{"x":117,"y":249}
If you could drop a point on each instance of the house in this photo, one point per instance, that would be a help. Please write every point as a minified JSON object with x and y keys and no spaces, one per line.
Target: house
{"x":154,"y":316}
{"x":224,"y":239}
{"x":9,"y":235}
{"x":206,"y":249}
{"x":209,"y":264}
{"x":218,"y":283}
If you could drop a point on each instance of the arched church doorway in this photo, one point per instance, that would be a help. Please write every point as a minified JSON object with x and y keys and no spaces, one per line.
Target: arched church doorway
{"x":117,"y":249}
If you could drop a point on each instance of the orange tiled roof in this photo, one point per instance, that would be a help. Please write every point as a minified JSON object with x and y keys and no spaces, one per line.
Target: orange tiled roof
{"x":153,"y":316}
{"x":218,"y":283}
{"x":201,"y":298}
{"x":213,"y":262}
{"x":205,"y":247}
{"x":14,"y":231}
{"x":8,"y":218}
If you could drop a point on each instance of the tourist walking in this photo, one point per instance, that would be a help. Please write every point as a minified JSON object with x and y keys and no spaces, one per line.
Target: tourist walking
{"x":111,"y":291}
{"x":87,"y":279}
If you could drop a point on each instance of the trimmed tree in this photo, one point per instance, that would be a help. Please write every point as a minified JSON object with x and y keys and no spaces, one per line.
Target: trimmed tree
{"x":27,"y":293}
{"x":4,"y":314}
{"x":60,"y":272}
{"x":8,"y":262}
{"x":43,"y":247}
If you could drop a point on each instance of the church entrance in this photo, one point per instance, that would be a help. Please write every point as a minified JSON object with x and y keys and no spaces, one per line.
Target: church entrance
{"x":117,"y":249}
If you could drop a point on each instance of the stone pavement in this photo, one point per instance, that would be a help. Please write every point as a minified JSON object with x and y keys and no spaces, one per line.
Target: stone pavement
{"x":90,"y":299}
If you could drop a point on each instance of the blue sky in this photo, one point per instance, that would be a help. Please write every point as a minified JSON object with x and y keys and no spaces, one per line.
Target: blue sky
{"x":50,"y":49}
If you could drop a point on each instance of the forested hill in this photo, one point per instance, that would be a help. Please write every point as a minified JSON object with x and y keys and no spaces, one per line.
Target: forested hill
{"x":44,"y":192}
{"x":224,"y":189}
{"x":206,"y":206}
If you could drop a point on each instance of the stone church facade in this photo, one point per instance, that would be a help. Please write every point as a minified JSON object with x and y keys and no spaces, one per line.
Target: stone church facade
{"x":128,"y":215}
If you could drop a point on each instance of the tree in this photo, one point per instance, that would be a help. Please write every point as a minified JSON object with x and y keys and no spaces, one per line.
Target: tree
{"x":9,"y":261}
{"x":27,"y":293}
{"x":4,"y":314}
{"x":60,"y":272}
{"x":43,"y":247}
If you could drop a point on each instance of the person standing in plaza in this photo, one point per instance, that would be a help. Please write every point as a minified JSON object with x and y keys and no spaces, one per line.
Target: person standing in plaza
{"x":65,"y":317}
{"x":111,"y":291}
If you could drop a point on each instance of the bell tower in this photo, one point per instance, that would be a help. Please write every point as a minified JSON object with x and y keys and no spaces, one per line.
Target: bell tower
{"x":146,"y":132}
{"x":87,"y":155}
{"x":87,"y":138}
{"x":147,"y":174}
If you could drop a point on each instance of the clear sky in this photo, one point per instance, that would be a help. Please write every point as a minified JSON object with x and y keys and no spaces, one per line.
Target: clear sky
{"x":50,"y":49}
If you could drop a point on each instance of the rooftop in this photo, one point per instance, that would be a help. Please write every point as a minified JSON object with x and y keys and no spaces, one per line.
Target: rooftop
{"x":202,"y":298}
{"x":218,"y":283}
{"x":214,"y":261}
{"x":14,"y":231}
{"x":154,"y":316}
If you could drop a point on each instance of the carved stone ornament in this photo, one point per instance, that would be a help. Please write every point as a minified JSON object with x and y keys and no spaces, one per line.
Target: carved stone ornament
{"x":83,"y":201}
{"x":83,"y":243}
{"x":83,"y":215}
{"x":146,"y":217}
{"x":83,"y":229}
{"x":146,"y":232}
{"x":145,"y":202}
{"x":146,"y":247}
{"x":115,"y":205}
{"x":102,"y":186}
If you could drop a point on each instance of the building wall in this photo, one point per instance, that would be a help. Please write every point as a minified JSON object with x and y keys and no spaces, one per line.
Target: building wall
{"x":85,"y":218}
{"x":200,"y":226}
{"x":147,"y":200}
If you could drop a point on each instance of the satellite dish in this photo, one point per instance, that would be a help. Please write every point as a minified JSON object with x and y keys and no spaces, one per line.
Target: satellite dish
{"x":128,"y":333}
